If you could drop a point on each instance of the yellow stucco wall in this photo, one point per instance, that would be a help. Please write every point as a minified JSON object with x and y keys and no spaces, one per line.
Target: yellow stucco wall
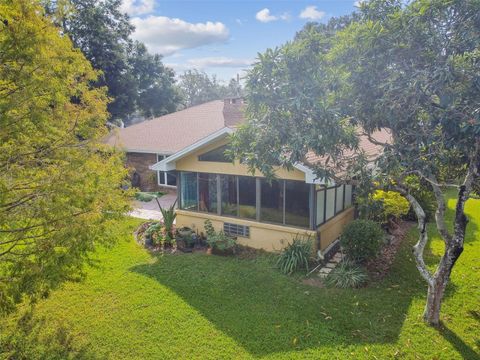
{"x":331,"y":230}
{"x":269,"y":237}
{"x":191,"y":163}
{"x":262,"y":236}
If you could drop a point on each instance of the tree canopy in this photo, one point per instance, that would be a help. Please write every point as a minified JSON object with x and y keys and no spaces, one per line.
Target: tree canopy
{"x":137,"y":81}
{"x":60,"y":187}
{"x":197,"y":87}
{"x":413,"y":69}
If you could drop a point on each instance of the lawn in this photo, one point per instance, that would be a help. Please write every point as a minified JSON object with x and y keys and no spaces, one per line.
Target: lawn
{"x":133,"y":305}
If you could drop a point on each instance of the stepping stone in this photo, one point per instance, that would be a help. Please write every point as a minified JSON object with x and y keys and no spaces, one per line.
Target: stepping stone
{"x":325,"y":270}
{"x":330,"y":265}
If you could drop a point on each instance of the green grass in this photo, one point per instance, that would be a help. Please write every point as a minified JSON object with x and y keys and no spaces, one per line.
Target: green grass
{"x":138,"y":306}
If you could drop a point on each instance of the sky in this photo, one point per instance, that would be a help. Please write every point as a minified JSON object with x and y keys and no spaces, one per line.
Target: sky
{"x":219,"y":36}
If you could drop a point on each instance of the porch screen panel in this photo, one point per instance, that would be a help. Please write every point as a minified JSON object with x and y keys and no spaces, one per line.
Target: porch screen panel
{"x":320,"y":206}
{"x":271,"y":199}
{"x":330,"y":205}
{"x":207,"y":192}
{"x":297,"y":207}
{"x":348,"y":196}
{"x":229,"y":195}
{"x":339,"y":199}
{"x":188,"y":191}
{"x":247,"y":199}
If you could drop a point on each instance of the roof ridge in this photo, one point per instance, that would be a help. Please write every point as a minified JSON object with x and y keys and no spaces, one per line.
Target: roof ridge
{"x":172,"y":113}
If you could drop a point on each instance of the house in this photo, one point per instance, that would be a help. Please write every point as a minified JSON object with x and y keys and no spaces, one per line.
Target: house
{"x":150,"y":141}
{"x":261,"y":214}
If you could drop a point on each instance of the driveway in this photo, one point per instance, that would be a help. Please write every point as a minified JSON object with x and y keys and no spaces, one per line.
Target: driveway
{"x":149,"y":210}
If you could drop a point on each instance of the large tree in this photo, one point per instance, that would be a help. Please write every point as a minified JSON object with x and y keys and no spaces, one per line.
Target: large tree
{"x":60,"y":187}
{"x":137,"y":81}
{"x":197,"y":87}
{"x":412,"y":69}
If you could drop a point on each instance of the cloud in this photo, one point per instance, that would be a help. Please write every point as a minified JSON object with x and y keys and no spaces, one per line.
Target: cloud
{"x":311,"y":13}
{"x":137,"y":7}
{"x":265,"y":16}
{"x":219,"y":62}
{"x":166,"y":35}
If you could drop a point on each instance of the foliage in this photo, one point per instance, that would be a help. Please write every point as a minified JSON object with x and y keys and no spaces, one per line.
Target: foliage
{"x":218,"y":240}
{"x":346,"y":274}
{"x":147,"y":196}
{"x":245,"y":308}
{"x":197,"y":87}
{"x":221,"y":241}
{"x":295,"y":255}
{"x":392,"y":67}
{"x":361,"y":240}
{"x":422,"y":192}
{"x":393,"y":205}
{"x":168,"y":216}
{"x":209,"y":229}
{"x":136,"y":79}
{"x":60,"y":187}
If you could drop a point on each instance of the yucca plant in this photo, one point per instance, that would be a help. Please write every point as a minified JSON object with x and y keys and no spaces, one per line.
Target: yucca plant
{"x":296,"y":255}
{"x":347,"y":274}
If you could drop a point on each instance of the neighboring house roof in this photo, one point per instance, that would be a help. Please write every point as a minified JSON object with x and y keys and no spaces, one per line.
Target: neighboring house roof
{"x":370,"y":149}
{"x":170,"y":133}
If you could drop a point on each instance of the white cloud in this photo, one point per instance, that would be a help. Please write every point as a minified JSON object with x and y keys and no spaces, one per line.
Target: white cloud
{"x":166,"y":35}
{"x":311,"y":13}
{"x":265,"y":16}
{"x":219,"y":62}
{"x":137,"y":7}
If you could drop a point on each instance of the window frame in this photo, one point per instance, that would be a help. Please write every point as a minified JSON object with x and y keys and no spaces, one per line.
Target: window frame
{"x":335,"y":213}
{"x":161,"y":157}
{"x":310,"y":226}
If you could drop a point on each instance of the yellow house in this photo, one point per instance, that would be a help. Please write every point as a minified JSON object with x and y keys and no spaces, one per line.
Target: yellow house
{"x":261,"y":214}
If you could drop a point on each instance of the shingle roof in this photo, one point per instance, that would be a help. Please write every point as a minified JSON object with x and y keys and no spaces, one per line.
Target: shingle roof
{"x":370,"y":149}
{"x":170,"y":133}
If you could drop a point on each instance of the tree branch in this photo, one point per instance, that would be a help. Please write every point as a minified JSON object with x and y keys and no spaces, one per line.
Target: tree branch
{"x":419,"y":247}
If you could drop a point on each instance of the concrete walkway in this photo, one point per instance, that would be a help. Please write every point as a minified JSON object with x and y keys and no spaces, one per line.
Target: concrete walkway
{"x":149,"y":210}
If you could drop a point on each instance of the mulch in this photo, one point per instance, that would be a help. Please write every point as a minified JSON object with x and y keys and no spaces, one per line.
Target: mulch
{"x":379,"y":267}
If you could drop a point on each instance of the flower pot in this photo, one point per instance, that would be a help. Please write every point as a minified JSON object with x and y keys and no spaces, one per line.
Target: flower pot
{"x":209,"y":251}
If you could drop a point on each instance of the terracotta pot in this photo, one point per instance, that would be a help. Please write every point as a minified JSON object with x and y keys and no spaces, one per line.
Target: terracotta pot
{"x":209,"y":251}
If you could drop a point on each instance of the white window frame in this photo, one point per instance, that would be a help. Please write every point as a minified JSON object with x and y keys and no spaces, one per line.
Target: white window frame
{"x":164,"y":184}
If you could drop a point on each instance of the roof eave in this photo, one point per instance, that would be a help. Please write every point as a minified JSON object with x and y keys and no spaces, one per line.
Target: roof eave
{"x":169,"y":164}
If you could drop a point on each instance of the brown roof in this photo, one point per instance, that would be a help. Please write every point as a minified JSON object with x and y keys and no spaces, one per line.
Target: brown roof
{"x":171,"y":133}
{"x":370,"y":149}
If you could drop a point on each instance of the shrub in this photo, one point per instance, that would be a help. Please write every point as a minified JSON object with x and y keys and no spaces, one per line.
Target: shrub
{"x":295,"y":256}
{"x":421,"y":191}
{"x":347,"y":274}
{"x":393,"y":204}
{"x":221,"y":241}
{"x":361,"y":240}
{"x":147,"y":196}
{"x":218,"y":240}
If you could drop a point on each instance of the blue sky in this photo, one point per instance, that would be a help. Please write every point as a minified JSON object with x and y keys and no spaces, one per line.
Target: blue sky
{"x":223,"y":37}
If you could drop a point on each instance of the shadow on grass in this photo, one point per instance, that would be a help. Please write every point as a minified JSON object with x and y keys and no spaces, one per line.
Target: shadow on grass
{"x":29,"y":339}
{"x":464,"y":349}
{"x":267,"y":312}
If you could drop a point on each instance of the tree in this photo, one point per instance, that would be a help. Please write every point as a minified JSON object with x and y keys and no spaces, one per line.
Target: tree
{"x":136,"y":80}
{"x":412,"y":69}
{"x":197,"y":87}
{"x":60,"y":187}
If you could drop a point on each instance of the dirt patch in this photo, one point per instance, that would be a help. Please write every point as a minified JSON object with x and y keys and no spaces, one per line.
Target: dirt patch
{"x":314,"y":281}
{"x":379,"y":267}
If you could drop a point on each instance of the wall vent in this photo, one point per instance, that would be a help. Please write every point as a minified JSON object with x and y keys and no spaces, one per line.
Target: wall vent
{"x":236,"y":230}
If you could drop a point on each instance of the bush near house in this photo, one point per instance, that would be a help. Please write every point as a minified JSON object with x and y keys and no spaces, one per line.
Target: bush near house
{"x":361,"y":240}
{"x":295,"y":256}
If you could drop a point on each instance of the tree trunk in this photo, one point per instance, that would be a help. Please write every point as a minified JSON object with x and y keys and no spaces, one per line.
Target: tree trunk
{"x":453,"y":250}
